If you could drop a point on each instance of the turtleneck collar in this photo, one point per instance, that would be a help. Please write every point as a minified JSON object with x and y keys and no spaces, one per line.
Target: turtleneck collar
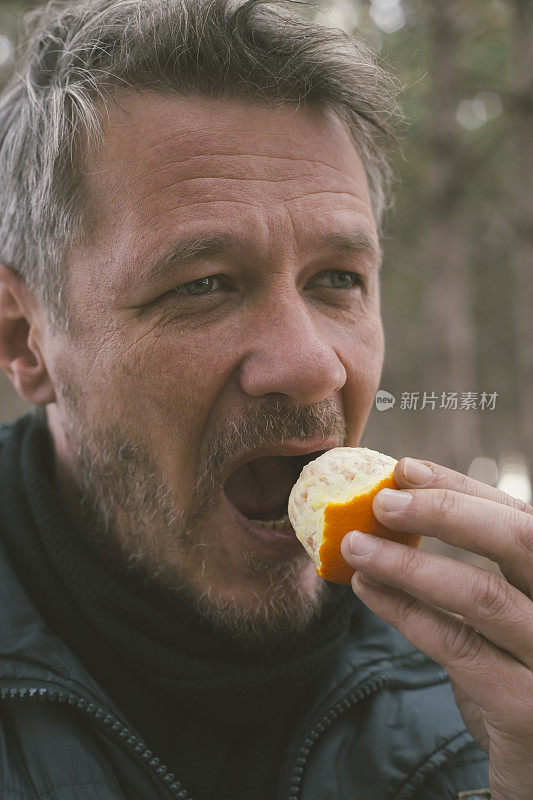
{"x":113,"y":627}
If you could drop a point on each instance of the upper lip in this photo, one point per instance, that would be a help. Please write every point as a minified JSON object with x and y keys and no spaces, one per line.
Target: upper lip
{"x":290,"y":447}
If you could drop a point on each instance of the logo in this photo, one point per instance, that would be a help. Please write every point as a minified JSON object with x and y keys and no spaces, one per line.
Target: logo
{"x":384,"y":400}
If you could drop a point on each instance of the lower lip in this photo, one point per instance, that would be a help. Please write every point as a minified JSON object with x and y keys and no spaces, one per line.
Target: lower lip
{"x":285,"y":541}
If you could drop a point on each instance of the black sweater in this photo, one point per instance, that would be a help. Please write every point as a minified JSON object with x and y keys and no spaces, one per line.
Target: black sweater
{"x":218,"y":719}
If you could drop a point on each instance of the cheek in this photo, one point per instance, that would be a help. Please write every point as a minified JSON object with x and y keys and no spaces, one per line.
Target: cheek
{"x":149,"y":388}
{"x":172,"y":375}
{"x":364,"y":364}
{"x":169,"y":390}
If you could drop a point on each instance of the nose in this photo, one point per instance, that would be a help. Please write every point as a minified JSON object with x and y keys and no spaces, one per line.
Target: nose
{"x":291,"y":355}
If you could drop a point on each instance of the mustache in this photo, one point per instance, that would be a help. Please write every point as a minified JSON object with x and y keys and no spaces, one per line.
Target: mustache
{"x":270,"y":423}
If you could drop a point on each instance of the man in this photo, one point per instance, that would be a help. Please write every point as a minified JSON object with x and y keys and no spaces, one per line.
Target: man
{"x":189,"y":231}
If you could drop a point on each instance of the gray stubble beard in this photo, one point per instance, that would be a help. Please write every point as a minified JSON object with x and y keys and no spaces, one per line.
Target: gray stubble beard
{"x":126,"y":505}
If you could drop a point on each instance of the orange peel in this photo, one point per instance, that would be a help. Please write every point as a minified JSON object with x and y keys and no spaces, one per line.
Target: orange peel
{"x":333,"y":496}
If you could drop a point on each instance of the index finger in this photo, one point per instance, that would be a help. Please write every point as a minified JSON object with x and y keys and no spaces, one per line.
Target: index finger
{"x":409,"y":473}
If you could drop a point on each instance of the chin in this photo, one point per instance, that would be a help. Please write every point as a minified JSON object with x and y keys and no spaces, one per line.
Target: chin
{"x":271,"y":604}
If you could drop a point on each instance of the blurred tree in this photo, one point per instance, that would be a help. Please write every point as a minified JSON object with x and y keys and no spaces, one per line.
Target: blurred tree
{"x":445,"y":241}
{"x":446,"y":289}
{"x":521,"y":194}
{"x":456,"y":282}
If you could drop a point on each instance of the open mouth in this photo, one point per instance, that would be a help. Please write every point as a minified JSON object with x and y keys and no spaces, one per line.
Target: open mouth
{"x":260,"y":489}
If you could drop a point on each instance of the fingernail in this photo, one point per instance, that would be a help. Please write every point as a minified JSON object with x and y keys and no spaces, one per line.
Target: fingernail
{"x":416,"y":472}
{"x":393,"y":500}
{"x":361,"y":544}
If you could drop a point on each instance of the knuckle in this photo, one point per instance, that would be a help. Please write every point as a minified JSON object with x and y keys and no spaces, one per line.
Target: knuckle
{"x":524,"y":535}
{"x":406,"y":565}
{"x":462,"y":483}
{"x":462,"y":643}
{"x":525,"y":507}
{"x":406,"y":611}
{"x":491,"y":595}
{"x":445,"y":503}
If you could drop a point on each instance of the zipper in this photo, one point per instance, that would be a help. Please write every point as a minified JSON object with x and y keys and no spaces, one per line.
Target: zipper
{"x":361,"y":693}
{"x":114,"y":730}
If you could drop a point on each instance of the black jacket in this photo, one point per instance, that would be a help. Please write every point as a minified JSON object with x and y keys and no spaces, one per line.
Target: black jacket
{"x":384,"y":725}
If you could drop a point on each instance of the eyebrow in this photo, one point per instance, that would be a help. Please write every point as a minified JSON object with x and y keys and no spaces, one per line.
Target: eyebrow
{"x":358,"y":243}
{"x":193,"y":248}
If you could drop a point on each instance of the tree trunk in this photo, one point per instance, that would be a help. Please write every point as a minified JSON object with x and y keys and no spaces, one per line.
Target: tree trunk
{"x":521,"y":134}
{"x":450,"y":365}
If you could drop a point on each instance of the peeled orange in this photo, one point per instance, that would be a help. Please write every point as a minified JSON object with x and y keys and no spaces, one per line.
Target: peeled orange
{"x":333,"y":496}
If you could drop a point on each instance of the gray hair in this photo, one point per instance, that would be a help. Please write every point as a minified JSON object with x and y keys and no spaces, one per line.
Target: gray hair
{"x":76,"y":55}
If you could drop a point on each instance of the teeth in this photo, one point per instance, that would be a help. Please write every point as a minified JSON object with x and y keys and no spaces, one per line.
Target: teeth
{"x":280,"y":524}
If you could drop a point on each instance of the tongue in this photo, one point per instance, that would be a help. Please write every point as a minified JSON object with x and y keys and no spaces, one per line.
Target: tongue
{"x":260,"y":489}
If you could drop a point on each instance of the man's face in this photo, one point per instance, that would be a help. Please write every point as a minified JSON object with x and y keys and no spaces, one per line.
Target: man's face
{"x":193,"y":379}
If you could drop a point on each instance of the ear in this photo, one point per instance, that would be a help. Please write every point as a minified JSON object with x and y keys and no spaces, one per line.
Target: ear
{"x":21,"y":331}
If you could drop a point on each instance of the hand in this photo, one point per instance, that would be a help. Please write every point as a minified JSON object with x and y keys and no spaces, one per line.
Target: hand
{"x":477,"y":624}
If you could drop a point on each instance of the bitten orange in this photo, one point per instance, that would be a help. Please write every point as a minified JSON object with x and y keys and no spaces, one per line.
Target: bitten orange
{"x":333,"y":496}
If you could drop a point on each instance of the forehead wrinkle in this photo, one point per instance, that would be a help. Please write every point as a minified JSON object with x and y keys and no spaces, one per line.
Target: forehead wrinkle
{"x":228,"y":173}
{"x":228,"y":178}
{"x":189,"y":134}
{"x":153,"y":170}
{"x":230,"y":153}
{"x":146,"y":223}
{"x":184,"y":204}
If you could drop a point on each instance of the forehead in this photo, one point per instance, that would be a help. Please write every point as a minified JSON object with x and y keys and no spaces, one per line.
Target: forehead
{"x":158,"y":128}
{"x":174,"y":161}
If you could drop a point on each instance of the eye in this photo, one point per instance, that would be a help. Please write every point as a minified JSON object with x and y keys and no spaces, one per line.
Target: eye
{"x":202,"y":286}
{"x":338,"y":279}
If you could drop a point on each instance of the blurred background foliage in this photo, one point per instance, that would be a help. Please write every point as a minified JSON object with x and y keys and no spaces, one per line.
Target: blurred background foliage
{"x":457,"y":282}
